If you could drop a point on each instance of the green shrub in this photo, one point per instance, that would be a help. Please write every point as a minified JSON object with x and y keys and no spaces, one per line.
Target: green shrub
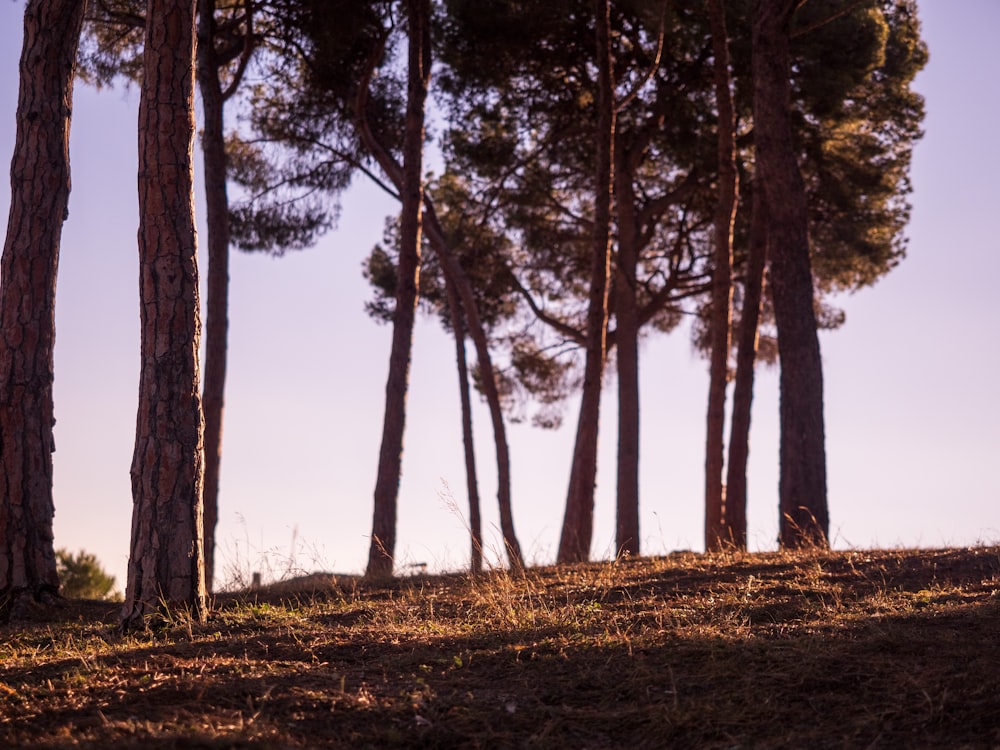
{"x":82,"y":577}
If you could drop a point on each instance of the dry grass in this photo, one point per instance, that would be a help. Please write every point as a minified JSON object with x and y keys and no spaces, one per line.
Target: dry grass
{"x":815,"y":649}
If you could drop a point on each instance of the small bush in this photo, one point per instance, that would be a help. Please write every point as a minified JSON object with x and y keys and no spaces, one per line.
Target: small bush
{"x":82,"y":577}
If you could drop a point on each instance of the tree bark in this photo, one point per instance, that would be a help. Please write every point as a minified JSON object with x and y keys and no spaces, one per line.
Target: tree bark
{"x":578,"y":521}
{"x":471,"y":482}
{"x":457,"y":278}
{"x":722,"y":282}
{"x":627,"y":343}
{"x":802,"y":489}
{"x":746,"y":357}
{"x":213,"y":147}
{"x":166,"y":563}
{"x":40,"y":186}
{"x":383,"y":541}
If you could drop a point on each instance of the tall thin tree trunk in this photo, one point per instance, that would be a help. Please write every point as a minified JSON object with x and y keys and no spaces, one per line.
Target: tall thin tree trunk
{"x":40,"y":186}
{"x":213,"y":146}
{"x":746,"y":358}
{"x":471,"y":482}
{"x":166,"y":564}
{"x":803,"y":501}
{"x":627,"y":343}
{"x":578,"y":521}
{"x":383,"y":541}
{"x":457,"y":278}
{"x":722,"y":282}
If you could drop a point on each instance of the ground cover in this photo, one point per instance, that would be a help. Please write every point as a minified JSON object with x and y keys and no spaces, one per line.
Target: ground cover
{"x":813,"y":649}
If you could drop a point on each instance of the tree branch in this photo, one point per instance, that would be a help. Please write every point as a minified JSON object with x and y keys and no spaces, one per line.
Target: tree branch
{"x":829,"y":19}
{"x":564,"y":328}
{"x":247,"y":52}
{"x":651,"y":71}
{"x":388,"y":163}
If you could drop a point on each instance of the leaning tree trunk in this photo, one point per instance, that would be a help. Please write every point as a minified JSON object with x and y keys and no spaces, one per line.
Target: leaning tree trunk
{"x":460,"y":281}
{"x":213,"y":148}
{"x":746,"y":358}
{"x":722,"y":282}
{"x":802,"y":488}
{"x":383,"y":540}
{"x":40,"y":185}
{"x":578,"y":521}
{"x":166,"y":565}
{"x":627,"y":351}
{"x":471,"y":482}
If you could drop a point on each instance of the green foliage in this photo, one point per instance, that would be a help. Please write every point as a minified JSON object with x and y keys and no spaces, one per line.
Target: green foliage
{"x":82,"y":577}
{"x":303,"y":117}
{"x":515,"y":197}
{"x":112,"y":41}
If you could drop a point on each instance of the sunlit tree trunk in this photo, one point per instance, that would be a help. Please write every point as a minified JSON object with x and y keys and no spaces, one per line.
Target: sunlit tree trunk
{"x":802,"y":488}
{"x":578,"y":521}
{"x":746,"y":357}
{"x":166,"y":564}
{"x":471,"y":481}
{"x":383,"y":540}
{"x":40,"y":186}
{"x":722,"y":284}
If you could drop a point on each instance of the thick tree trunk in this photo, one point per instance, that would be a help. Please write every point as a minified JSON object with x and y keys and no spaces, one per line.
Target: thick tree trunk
{"x":802,"y":490}
{"x":746,"y":358}
{"x":40,"y":185}
{"x":460,"y":282}
{"x":166,"y":564}
{"x":383,"y":541}
{"x":722,"y":282}
{"x":578,"y":521}
{"x":471,"y":482}
{"x":627,"y":343}
{"x":213,"y":147}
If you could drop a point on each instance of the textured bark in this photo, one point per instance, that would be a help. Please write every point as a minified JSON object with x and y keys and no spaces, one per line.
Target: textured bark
{"x":722,"y":282}
{"x":802,"y":489}
{"x":578,"y":521}
{"x":40,"y":186}
{"x":627,"y":351}
{"x":166,"y":564}
{"x":746,"y":358}
{"x":383,"y":541}
{"x":471,"y":481}
{"x":456,"y":277}
{"x":213,"y":147}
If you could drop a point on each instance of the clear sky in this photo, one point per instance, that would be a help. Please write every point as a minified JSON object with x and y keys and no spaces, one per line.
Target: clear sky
{"x":912,"y":405}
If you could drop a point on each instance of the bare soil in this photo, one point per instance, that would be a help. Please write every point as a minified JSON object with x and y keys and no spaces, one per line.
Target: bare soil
{"x":815,"y":649}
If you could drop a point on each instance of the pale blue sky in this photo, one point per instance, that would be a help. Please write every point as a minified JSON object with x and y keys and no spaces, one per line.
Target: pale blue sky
{"x":913,"y":412}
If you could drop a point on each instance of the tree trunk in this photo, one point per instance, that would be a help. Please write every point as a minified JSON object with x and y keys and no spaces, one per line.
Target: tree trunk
{"x":722,"y":282}
{"x":383,"y":541}
{"x":40,"y":186}
{"x":802,"y":489}
{"x":578,"y":522}
{"x":213,"y":147}
{"x":166,"y":565}
{"x":627,"y":343}
{"x":457,"y":278}
{"x":471,"y":482}
{"x":746,"y":357}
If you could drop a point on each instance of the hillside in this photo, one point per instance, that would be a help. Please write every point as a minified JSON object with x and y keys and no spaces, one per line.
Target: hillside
{"x":851,"y":649}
